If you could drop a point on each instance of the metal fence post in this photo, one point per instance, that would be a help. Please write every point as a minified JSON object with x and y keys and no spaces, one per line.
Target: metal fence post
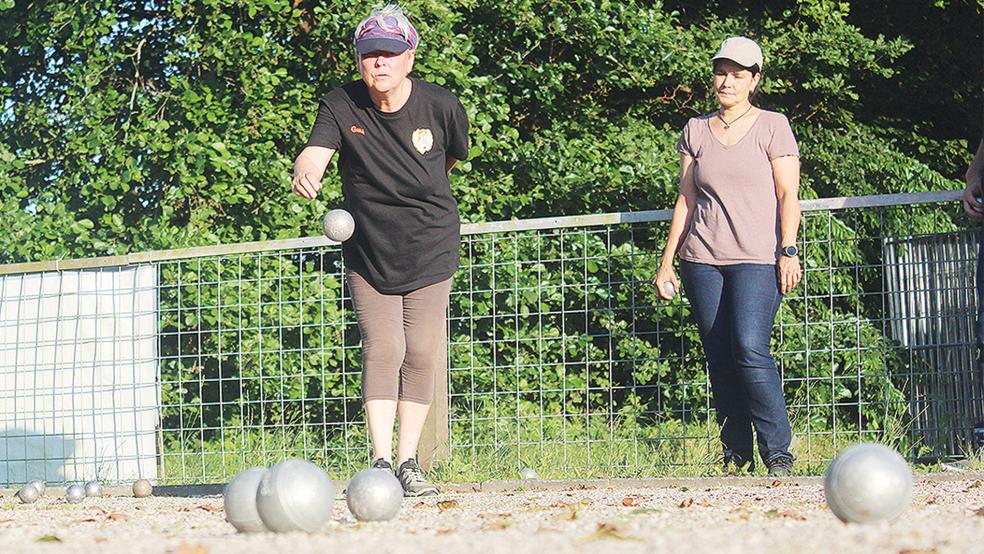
{"x":434,"y":446}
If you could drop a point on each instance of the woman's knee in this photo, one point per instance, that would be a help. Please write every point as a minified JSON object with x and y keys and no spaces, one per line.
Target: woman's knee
{"x":750,"y":350}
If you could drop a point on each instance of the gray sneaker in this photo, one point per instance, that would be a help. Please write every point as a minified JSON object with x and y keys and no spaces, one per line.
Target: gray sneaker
{"x":380,"y":463}
{"x":412,"y":479}
{"x":780,"y":465}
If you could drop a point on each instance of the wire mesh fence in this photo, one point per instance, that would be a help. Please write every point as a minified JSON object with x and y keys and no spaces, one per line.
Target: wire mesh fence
{"x":560,"y":355}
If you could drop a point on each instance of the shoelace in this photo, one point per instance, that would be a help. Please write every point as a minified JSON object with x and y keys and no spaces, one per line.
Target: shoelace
{"x":413,"y":474}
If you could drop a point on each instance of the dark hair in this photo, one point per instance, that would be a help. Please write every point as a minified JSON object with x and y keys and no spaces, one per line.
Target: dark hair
{"x":755,"y":69}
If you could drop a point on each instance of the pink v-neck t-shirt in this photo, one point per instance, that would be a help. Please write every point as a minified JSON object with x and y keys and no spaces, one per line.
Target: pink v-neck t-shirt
{"x":736,"y":219}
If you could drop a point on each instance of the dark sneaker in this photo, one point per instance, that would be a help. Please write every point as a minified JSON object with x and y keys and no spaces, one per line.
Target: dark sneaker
{"x":736,"y":463}
{"x":780,"y":465}
{"x":412,"y":479}
{"x":380,"y":463}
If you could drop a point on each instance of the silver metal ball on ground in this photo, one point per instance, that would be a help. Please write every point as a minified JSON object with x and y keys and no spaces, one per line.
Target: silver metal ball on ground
{"x":74,"y":494}
{"x":866,"y":483}
{"x":142,"y":488}
{"x":93,"y":488}
{"x":295,"y":495}
{"x":374,"y":495}
{"x":338,"y":225}
{"x":239,"y":499}
{"x":527,"y":473}
{"x":28,"y":494}
{"x":38,"y":484}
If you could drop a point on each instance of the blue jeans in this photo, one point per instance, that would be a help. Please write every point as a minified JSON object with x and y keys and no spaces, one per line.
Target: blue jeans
{"x":735,"y":307}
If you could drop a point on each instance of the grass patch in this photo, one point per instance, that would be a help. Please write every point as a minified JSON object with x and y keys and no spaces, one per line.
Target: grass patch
{"x":555,"y":447}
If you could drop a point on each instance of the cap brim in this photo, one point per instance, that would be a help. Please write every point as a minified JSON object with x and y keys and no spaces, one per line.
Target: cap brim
{"x":741,"y":62}
{"x":369,"y":45}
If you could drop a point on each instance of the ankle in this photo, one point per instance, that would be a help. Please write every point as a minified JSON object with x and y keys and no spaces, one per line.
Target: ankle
{"x":401,"y":461}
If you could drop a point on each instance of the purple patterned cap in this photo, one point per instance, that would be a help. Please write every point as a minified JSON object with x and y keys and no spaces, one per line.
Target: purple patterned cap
{"x":386,"y":29}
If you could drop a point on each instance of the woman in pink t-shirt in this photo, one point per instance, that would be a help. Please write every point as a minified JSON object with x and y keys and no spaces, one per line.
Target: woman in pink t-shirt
{"x":734,"y":226}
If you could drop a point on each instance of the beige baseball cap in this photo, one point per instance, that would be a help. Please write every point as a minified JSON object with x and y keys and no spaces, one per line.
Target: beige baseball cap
{"x":741,"y":50}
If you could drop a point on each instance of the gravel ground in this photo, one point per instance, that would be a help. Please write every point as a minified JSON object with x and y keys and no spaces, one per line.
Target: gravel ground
{"x":632,"y":516}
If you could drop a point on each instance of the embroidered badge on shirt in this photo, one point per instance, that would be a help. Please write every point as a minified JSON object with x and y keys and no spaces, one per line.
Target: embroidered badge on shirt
{"x":423,"y":140}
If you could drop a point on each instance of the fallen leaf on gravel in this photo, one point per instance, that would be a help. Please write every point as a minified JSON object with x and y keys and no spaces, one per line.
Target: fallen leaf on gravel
{"x":100,"y":539}
{"x":447,"y":504}
{"x":780,"y":483}
{"x":118,"y":517}
{"x":537,"y":508}
{"x":703,"y":503}
{"x":497,"y":525}
{"x":740,"y":515}
{"x":608,"y":531}
{"x":687,"y":503}
{"x":493,"y":516}
{"x":917,"y":551}
{"x":48,"y":538}
{"x":646,"y":511}
{"x":684,"y":489}
{"x":787,"y":514}
{"x":206,"y":507}
{"x":933,"y":500}
{"x":447,"y":531}
{"x":569,"y":513}
{"x":979,"y":512}
{"x":190,"y":549}
{"x":420,"y":505}
{"x":628,"y":501}
{"x":87,"y":520}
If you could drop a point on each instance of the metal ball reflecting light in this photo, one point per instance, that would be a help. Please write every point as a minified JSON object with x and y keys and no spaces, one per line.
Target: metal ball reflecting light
{"x":374,"y":495}
{"x":338,"y":225}
{"x":295,"y":495}
{"x":867,"y":483}
{"x":239,"y":499}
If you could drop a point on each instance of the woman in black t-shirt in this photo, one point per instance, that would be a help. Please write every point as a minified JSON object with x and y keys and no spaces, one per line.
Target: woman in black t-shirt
{"x":397,"y":138}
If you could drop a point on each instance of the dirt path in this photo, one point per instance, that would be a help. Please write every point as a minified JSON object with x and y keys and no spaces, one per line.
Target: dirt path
{"x":946,"y":516}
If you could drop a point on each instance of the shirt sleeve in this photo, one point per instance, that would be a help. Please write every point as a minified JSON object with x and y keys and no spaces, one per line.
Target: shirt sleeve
{"x":325,"y":132}
{"x":783,"y":143}
{"x":684,"y":145}
{"x":457,"y":132}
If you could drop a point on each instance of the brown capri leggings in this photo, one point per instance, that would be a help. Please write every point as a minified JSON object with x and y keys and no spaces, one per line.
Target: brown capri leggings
{"x":404,"y":339}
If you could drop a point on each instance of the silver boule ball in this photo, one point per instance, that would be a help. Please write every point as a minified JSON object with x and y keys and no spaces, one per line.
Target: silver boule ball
{"x":866,"y":483}
{"x":142,"y":488}
{"x":374,"y":495}
{"x":338,"y":225}
{"x":669,"y":289}
{"x":28,"y":494}
{"x":93,"y":488}
{"x":74,"y":494}
{"x":295,"y":495}
{"x":239,"y":499}
{"x":527,"y":473}
{"x":38,"y":484}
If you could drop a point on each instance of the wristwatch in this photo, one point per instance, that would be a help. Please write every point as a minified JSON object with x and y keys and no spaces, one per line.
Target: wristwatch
{"x":790,"y":251}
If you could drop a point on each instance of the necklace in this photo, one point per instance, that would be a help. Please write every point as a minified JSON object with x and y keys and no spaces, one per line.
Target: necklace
{"x":728,"y":125}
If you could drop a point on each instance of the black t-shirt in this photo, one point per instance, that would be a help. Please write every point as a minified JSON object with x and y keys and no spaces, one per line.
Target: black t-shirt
{"x":395,"y":182}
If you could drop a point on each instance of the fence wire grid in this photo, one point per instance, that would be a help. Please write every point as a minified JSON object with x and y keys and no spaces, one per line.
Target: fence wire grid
{"x":187,"y":366}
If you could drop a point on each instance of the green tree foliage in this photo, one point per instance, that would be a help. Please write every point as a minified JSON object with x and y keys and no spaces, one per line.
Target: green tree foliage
{"x":140,"y":125}
{"x":137,"y":125}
